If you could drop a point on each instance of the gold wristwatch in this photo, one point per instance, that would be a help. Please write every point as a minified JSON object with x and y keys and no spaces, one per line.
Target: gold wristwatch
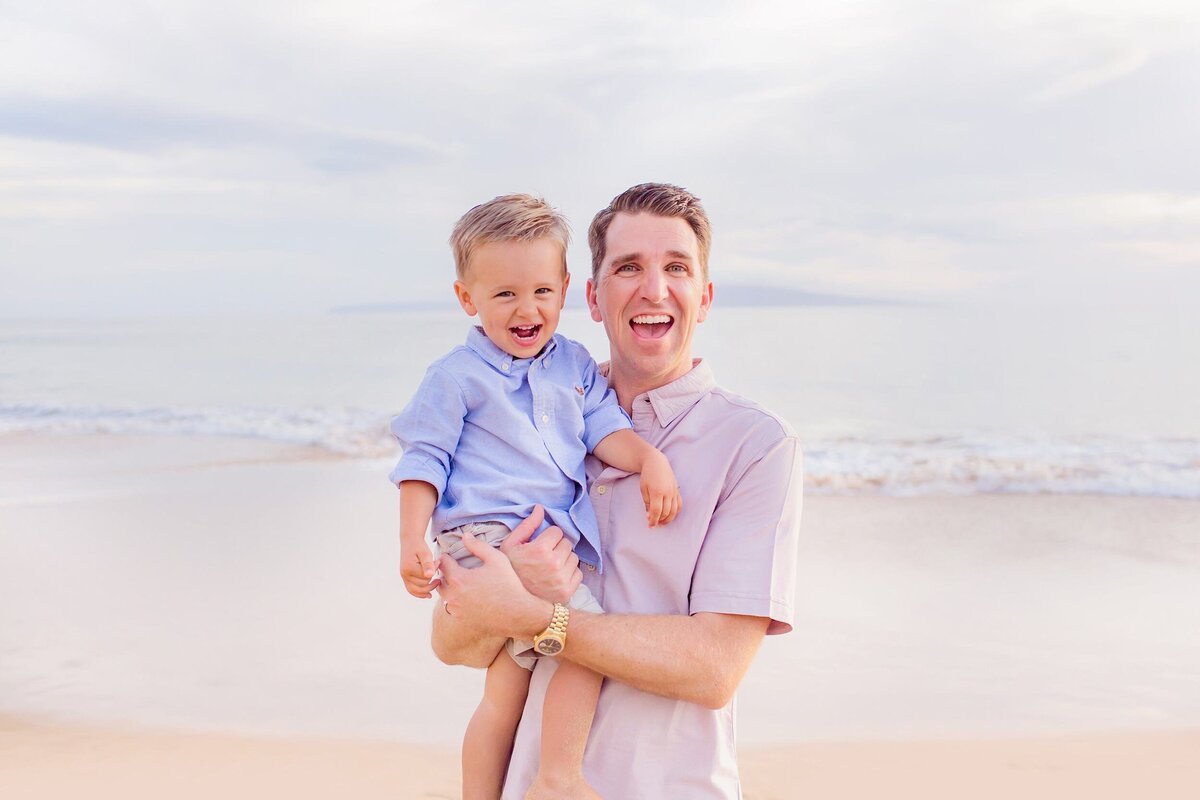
{"x":551,"y":641}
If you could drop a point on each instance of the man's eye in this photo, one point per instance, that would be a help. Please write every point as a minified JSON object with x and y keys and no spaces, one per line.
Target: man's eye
{"x":626,"y":268}
{"x":678,"y":268}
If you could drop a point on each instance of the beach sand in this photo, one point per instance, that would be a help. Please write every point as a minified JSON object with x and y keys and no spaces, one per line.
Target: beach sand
{"x":41,"y":762}
{"x":191,"y":617}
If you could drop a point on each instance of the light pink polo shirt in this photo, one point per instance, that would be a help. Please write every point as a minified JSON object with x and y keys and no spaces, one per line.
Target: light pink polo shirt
{"x":732,"y":550}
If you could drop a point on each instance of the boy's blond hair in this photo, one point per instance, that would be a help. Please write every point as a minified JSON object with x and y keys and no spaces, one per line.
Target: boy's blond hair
{"x":660,"y":199}
{"x":510,"y":217}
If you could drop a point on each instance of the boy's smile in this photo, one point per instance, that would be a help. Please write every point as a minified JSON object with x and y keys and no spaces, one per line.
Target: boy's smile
{"x":518,"y":290}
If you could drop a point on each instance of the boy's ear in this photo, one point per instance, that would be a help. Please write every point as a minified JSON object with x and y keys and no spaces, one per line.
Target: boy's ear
{"x":464,"y":298}
{"x":562,"y":301}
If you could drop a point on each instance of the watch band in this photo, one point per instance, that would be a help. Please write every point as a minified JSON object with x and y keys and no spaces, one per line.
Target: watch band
{"x":559,"y":620}
{"x":551,"y":641}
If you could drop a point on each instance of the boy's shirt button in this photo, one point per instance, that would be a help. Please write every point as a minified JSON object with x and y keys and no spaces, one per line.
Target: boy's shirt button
{"x":545,"y":418}
{"x":505,"y":366}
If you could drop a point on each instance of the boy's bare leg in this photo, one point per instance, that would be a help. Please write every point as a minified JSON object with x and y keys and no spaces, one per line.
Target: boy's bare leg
{"x":566,"y":722}
{"x":488,"y":743}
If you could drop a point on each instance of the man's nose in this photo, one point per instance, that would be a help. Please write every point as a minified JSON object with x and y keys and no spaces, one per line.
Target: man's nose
{"x":654,"y":285}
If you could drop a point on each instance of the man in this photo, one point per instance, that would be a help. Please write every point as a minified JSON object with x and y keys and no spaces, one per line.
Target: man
{"x":689,"y":603}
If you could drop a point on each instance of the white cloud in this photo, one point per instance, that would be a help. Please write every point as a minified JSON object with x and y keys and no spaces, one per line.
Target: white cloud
{"x":875,"y":147}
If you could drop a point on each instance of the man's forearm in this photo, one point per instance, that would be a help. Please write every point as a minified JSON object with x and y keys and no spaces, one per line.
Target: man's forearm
{"x":699,"y":658}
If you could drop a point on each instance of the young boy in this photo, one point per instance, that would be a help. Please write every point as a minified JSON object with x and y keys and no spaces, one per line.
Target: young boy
{"x":498,"y":425}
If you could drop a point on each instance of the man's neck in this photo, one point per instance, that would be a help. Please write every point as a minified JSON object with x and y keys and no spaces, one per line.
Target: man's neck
{"x":629,"y":385}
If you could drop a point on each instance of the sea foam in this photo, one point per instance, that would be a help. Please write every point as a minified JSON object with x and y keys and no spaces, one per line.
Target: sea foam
{"x":979,"y":462}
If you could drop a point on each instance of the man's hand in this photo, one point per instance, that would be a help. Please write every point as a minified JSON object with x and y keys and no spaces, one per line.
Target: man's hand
{"x":490,"y":598}
{"x":660,"y":492}
{"x":547,"y":566}
{"x":417,"y":568}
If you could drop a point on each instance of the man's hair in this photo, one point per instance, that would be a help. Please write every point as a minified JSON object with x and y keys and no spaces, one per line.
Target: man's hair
{"x":661,"y":199}
{"x":510,"y":217}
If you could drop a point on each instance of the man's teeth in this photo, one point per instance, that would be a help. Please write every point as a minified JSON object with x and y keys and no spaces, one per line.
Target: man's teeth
{"x":651,"y":319}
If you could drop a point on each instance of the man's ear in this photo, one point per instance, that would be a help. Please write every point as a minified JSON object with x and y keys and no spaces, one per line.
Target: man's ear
{"x":464,"y":298}
{"x":593,"y":303}
{"x":706,"y":300}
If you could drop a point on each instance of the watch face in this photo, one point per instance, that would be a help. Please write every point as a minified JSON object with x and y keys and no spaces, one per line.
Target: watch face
{"x":549,"y":647}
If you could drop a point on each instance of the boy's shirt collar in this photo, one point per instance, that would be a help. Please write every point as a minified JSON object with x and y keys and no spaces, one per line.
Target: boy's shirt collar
{"x":478,"y":342}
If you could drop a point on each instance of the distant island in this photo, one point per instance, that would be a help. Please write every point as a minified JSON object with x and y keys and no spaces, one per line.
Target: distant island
{"x":728,"y":295}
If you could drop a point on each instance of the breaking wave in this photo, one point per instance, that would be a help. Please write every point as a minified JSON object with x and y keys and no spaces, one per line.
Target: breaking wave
{"x":960,"y":464}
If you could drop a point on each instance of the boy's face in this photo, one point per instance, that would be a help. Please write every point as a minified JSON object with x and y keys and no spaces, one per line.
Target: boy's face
{"x":518,"y":290}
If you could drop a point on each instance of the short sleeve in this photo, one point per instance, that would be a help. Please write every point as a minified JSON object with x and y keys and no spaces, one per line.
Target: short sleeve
{"x":429,"y":429}
{"x":747,"y":564}
{"x":602,"y":414}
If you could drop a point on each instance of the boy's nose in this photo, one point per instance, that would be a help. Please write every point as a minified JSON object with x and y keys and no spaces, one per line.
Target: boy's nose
{"x":528,"y":308}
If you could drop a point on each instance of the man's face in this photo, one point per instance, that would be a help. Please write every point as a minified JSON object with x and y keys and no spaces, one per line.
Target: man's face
{"x":518,"y":289}
{"x":650,"y":295}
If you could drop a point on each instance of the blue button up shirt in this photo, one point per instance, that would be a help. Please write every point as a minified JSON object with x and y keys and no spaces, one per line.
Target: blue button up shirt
{"x":496,"y":434}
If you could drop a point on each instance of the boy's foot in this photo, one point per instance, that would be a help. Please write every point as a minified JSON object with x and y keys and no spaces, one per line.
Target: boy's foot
{"x":561,"y":790}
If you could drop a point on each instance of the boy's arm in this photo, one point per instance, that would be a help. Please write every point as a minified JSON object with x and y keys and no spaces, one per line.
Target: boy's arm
{"x":417,"y":501}
{"x":428,"y":429}
{"x":625,"y":450}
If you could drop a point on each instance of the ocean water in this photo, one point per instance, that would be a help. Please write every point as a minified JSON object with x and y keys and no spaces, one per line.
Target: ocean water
{"x":169,"y":575}
{"x":899,"y":400}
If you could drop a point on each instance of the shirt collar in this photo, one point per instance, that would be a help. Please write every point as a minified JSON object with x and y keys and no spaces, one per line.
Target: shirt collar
{"x":676,"y":397}
{"x":478,"y":342}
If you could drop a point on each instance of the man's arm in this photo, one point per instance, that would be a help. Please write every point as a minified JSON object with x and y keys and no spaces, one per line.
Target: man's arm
{"x":699,"y":658}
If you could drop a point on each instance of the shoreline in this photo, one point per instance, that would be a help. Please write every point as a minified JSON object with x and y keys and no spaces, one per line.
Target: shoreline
{"x":48,"y":761}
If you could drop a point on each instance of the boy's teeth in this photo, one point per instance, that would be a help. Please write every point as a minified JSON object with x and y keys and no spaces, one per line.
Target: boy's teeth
{"x":650,"y":319}
{"x":525,"y":331}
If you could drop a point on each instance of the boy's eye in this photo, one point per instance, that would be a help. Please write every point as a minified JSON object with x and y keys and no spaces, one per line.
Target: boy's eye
{"x":504,"y":294}
{"x":544,"y":290}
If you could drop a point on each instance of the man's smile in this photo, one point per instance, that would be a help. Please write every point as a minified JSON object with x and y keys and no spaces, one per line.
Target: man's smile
{"x":651,"y":326}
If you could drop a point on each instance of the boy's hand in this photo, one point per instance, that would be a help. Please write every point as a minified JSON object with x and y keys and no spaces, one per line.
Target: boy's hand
{"x":660,"y":493}
{"x":417,"y":568}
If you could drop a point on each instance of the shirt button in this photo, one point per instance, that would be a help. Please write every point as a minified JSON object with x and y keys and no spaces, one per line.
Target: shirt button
{"x":545,"y":418}
{"x":591,"y":567}
{"x":601,"y":489}
{"x":505,"y":366}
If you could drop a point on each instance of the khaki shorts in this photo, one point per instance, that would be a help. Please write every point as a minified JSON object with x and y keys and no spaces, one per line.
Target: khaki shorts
{"x":450,"y":543}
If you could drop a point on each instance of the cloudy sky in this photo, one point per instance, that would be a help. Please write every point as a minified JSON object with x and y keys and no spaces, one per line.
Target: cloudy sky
{"x":196,"y":157}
